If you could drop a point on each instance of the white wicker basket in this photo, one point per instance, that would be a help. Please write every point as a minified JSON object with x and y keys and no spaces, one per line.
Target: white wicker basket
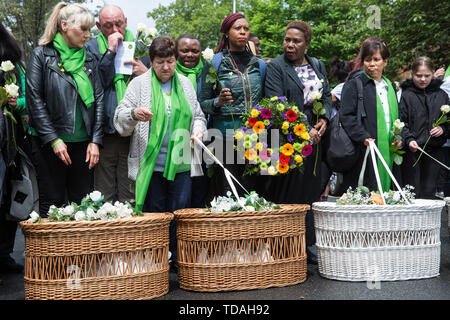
{"x":447,"y":201}
{"x":378,"y":243}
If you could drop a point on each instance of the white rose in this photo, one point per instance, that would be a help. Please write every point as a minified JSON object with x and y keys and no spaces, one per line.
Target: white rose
{"x":396,"y":196}
{"x":95,"y":195}
{"x":12,"y":90}
{"x":7,"y":66}
{"x":90,"y":214}
{"x":152,"y":32}
{"x":445,"y":108}
{"x":34,"y":216}
{"x":249,"y":208}
{"x":398,"y":124}
{"x":272,"y":170}
{"x":141,"y":28}
{"x":67,"y":211}
{"x":102,"y":213}
{"x":80,"y":216}
{"x":315,"y":95}
{"x":208,"y":54}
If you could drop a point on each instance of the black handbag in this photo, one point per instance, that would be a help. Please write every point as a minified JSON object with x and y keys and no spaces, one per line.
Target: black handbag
{"x":342,"y":154}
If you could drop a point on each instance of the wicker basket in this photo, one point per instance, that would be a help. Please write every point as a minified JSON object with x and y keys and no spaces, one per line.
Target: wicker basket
{"x":241,"y":250}
{"x":447,"y":202}
{"x":378,"y":243}
{"x":117,"y":259}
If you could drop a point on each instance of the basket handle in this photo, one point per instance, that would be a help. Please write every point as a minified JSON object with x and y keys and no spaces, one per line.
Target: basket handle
{"x":372,"y":147}
{"x":228,"y":174}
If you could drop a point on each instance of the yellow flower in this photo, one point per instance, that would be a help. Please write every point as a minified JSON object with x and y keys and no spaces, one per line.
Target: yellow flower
{"x":259,"y":146}
{"x":299,"y":129}
{"x":282,"y":168}
{"x":285,"y":125}
{"x":258,"y":127}
{"x":254,"y":113}
{"x":304,"y":135}
{"x":287,"y":149}
{"x":250,"y":154}
{"x":275,"y":98}
{"x":239,"y":135}
{"x":298,"y":158}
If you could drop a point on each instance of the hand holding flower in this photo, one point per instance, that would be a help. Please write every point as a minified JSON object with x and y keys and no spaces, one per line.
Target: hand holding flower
{"x":12,"y":101}
{"x":436,"y":131}
{"x":225,"y":96}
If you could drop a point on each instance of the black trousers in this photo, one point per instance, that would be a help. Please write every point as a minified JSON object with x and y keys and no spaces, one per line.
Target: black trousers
{"x":7,"y":237}
{"x":425,"y":175}
{"x":58,"y":183}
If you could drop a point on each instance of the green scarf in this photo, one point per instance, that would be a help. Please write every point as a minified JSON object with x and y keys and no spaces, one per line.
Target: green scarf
{"x":180,"y":118}
{"x":73,"y":62}
{"x":191,"y":73}
{"x":120,"y":80}
{"x":385,"y":138}
{"x":447,"y":73}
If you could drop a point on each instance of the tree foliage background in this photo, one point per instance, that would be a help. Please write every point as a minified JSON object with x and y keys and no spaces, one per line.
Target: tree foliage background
{"x":411,"y":28}
{"x":27,"y":20}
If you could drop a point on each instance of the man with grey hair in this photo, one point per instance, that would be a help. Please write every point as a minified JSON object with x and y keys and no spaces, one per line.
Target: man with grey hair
{"x":112,"y":169}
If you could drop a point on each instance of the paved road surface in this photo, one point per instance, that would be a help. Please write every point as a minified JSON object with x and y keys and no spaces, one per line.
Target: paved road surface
{"x":315,"y":287}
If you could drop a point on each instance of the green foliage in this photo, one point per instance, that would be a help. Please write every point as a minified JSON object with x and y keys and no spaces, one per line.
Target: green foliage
{"x":197,"y":17}
{"x":27,"y":20}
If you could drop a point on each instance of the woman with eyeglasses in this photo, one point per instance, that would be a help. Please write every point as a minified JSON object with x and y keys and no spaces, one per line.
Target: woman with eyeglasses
{"x":65,"y":103}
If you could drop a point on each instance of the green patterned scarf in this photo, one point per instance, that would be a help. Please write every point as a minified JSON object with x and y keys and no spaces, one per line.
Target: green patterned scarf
{"x":120,"y":80}
{"x":385,"y":138}
{"x":73,"y":62}
{"x":191,"y":73}
{"x":180,"y":118}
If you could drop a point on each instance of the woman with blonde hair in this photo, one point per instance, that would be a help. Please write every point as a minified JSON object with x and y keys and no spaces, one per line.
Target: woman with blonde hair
{"x":65,"y":104}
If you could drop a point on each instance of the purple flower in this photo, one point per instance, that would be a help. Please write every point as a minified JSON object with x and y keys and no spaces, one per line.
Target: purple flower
{"x":258,"y":108}
{"x":289,"y":137}
{"x":284,"y":116}
{"x":244,"y":129}
{"x":282,"y":98}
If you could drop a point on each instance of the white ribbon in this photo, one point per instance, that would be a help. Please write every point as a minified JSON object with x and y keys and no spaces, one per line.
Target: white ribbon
{"x":228,"y":175}
{"x":420,"y":149}
{"x":373,"y":152}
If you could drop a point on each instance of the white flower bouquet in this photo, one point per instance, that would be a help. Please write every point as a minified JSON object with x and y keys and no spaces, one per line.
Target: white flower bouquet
{"x":251,"y":202}
{"x":91,"y":208}
{"x":362,"y":196}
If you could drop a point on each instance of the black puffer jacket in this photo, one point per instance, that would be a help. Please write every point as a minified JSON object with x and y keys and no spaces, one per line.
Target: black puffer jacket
{"x":52,"y":96}
{"x":419,"y":109}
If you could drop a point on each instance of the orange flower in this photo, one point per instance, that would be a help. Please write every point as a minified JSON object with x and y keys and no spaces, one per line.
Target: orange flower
{"x":282,"y":168}
{"x":258,"y":127}
{"x":250,"y":154}
{"x":287,"y":149}
{"x":299,"y":129}
{"x":376,"y":199}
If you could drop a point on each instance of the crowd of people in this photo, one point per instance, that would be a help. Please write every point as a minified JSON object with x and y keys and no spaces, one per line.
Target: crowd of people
{"x":87,"y":127}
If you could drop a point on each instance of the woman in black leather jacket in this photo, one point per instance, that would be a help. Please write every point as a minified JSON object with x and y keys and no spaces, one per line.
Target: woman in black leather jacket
{"x":65,"y":104}
{"x":420,"y":107}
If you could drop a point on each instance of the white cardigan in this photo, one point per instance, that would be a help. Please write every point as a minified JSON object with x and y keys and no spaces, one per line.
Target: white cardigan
{"x":139,"y":94}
